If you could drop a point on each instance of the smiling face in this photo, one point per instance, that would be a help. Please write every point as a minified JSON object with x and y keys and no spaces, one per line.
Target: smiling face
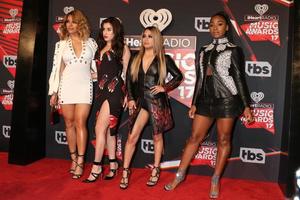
{"x":108,"y":32}
{"x":147,"y":39}
{"x":71,"y":25}
{"x":218,"y":26}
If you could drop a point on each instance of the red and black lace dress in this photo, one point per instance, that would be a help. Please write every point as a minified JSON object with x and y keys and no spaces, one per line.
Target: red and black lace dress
{"x":110,"y":87}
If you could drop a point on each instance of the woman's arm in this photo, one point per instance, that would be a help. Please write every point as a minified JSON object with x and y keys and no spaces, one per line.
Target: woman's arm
{"x":125,"y":61}
{"x":197,"y":87}
{"x":238,"y":73}
{"x":94,"y":46}
{"x":129,"y":83}
{"x":175,"y":72}
{"x":54,"y":76}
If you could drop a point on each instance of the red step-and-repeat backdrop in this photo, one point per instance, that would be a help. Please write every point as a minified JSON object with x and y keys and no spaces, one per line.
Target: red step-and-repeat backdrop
{"x":261,"y":28}
{"x":10,"y":23}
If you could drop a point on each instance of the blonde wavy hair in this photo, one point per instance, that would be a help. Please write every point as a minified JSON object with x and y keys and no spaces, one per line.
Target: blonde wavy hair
{"x":159,"y":53}
{"x":83,"y":25}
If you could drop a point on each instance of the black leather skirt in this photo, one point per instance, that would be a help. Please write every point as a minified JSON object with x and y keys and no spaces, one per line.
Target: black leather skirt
{"x":230,"y":107}
{"x":209,"y":105}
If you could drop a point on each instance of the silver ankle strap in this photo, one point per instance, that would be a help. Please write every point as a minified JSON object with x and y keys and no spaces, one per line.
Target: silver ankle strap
{"x":180,"y":175}
{"x":215,"y":179}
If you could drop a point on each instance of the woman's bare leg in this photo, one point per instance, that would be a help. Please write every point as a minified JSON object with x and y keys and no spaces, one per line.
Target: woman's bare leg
{"x":80,"y":116}
{"x":200,"y":127}
{"x":111,"y":144}
{"x":158,"y":149}
{"x":224,"y":129}
{"x":101,"y":127}
{"x":68,"y":111}
{"x":132,"y":139}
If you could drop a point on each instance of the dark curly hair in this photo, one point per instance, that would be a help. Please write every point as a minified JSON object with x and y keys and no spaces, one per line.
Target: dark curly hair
{"x":118,"y":40}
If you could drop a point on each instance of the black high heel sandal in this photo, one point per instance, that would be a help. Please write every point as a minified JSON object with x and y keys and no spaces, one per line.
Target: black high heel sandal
{"x":154,"y":178}
{"x":74,"y":160}
{"x":123,"y":183}
{"x":80,"y":165}
{"x":94,"y":174}
{"x":113,"y":171}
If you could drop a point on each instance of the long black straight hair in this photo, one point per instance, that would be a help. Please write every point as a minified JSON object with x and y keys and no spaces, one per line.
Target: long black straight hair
{"x":118,"y":40}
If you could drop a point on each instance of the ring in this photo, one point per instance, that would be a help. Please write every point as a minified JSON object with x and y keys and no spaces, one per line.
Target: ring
{"x":250,"y":120}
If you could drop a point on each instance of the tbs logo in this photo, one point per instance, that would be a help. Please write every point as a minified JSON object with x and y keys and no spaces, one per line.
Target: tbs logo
{"x":258,"y":68}
{"x":252,"y":155}
{"x":202,"y":24}
{"x":60,"y":137}
{"x":147,"y":146}
{"x":6,"y":131}
{"x":9,"y":61}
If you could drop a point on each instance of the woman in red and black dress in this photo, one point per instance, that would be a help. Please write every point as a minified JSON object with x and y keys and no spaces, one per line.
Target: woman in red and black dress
{"x":148,"y":99}
{"x":112,"y":59}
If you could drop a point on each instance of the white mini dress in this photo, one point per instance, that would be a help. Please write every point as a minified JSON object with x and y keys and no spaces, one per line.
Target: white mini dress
{"x":76,"y":85}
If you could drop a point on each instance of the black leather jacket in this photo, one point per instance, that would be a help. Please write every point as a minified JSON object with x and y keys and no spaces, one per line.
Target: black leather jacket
{"x":227,"y":64}
{"x":159,"y":109}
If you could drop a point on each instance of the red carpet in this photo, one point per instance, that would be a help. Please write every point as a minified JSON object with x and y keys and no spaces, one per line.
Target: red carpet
{"x":48,"y":179}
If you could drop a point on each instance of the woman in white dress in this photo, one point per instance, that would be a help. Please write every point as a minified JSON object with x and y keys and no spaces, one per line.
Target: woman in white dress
{"x":70,"y":83}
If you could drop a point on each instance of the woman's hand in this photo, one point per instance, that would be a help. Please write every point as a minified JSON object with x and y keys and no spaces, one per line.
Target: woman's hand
{"x":53,"y":100}
{"x":157,"y":89}
{"x":192,"y":111}
{"x":125,"y":103}
{"x":248,"y":115}
{"x":131,"y":106}
{"x":94,"y":76}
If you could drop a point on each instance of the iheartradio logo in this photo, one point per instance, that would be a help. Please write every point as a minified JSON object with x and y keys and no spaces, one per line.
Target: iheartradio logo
{"x":13,"y":12}
{"x":6,"y":131}
{"x":261,"y":8}
{"x":68,"y":9}
{"x":11,"y":84}
{"x":257,"y":96}
{"x":160,"y":19}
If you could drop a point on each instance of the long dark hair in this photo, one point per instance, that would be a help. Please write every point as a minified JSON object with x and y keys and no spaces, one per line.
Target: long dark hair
{"x":228,"y":33}
{"x":118,"y":40}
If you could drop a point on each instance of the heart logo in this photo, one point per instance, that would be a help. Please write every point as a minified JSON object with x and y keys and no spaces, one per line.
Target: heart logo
{"x":11,"y":84}
{"x":161,"y":19}
{"x":13,"y":12}
{"x":68,"y":9}
{"x":261,"y":8}
{"x":257,"y":96}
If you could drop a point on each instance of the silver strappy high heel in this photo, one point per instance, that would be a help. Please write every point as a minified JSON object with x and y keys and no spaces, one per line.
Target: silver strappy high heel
{"x":180,"y":176}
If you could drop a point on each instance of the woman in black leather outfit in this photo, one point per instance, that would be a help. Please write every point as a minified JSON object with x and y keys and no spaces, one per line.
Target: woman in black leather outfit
{"x":220,"y":94}
{"x":148,"y":99}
